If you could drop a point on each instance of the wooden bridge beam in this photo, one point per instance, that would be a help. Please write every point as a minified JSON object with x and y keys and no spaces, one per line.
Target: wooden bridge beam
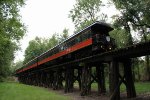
{"x":44,"y":79}
{"x":37,"y":79}
{"x":79,"y":77}
{"x":47,"y":81}
{"x":69,"y":80}
{"x":51,"y":79}
{"x":100,"y":78}
{"x":57,"y":83}
{"x":129,"y":78}
{"x":86,"y":80}
{"x":114,"y":80}
{"x":40,"y":78}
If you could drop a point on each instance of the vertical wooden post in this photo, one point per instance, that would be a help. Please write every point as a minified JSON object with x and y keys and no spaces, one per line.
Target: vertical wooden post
{"x":100,"y":78}
{"x":57,"y":83}
{"x":44,"y":78}
{"x":27,"y":79}
{"x":129,"y":78}
{"x":51,"y":79}
{"x":31,"y":79}
{"x":86,"y":80}
{"x":47,"y":80}
{"x":40,"y":79}
{"x":114,"y":81}
{"x":35,"y":79}
{"x":69,"y":79}
{"x":79,"y":77}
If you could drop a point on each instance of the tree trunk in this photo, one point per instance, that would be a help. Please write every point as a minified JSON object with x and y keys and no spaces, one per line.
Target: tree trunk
{"x":147,"y":68}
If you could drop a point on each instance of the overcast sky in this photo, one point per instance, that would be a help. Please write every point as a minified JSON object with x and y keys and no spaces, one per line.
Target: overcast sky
{"x":46,"y":17}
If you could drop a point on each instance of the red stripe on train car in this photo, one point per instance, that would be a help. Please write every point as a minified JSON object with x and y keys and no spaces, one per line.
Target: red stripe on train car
{"x":67,"y":51}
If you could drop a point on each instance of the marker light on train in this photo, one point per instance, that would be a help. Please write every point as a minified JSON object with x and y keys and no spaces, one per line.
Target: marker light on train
{"x":108,"y":38}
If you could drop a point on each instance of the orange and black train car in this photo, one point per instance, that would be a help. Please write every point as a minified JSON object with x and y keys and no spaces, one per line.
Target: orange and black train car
{"x":89,"y":41}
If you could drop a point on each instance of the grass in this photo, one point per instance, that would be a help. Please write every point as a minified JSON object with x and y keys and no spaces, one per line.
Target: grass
{"x":141,"y":87}
{"x":16,"y":91}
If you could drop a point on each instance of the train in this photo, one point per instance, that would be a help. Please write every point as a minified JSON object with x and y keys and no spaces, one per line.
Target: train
{"x":92,"y":40}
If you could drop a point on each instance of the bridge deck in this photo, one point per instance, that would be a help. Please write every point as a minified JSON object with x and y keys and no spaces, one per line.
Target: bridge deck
{"x":137,"y":50}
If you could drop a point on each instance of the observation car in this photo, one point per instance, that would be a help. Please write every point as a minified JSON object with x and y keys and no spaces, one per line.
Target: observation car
{"x":89,"y":41}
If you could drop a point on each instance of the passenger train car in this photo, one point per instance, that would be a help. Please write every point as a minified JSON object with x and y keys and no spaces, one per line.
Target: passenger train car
{"x":91,"y":40}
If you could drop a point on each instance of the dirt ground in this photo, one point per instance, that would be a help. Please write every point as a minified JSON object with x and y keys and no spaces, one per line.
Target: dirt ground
{"x":75,"y":95}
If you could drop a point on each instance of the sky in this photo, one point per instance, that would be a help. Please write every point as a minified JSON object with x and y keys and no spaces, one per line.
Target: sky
{"x":46,"y":17}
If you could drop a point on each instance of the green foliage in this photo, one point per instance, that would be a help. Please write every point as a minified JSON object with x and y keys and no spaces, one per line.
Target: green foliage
{"x":35,"y":48}
{"x":16,"y":66}
{"x":63,"y":35}
{"x":121,"y":37}
{"x":138,"y":67}
{"x":134,"y":13}
{"x":11,"y":31}
{"x":16,"y":91}
{"x":86,"y":12}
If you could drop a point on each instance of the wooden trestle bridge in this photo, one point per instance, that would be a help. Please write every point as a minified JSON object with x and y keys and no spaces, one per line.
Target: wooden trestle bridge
{"x":53,"y":76}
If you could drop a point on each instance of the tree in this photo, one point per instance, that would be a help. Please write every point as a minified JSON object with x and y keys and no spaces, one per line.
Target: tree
{"x":121,"y":37}
{"x":11,"y":31}
{"x":86,"y":12}
{"x":135,"y":14}
{"x":16,"y":66}
{"x":64,"y":35}
{"x":35,"y":48}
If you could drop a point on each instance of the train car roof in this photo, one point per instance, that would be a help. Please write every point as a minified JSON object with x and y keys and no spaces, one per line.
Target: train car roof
{"x":97,"y":23}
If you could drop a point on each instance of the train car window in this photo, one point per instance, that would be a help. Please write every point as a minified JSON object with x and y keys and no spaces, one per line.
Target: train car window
{"x":85,"y":35}
{"x":46,"y":54}
{"x":68,"y":44}
{"x":65,"y":46}
{"x":73,"y":41}
{"x":61,"y":47}
{"x":57,"y":49}
{"x":50,"y":53}
{"x":79,"y":38}
{"x":89,"y":34}
{"x":54,"y":51}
